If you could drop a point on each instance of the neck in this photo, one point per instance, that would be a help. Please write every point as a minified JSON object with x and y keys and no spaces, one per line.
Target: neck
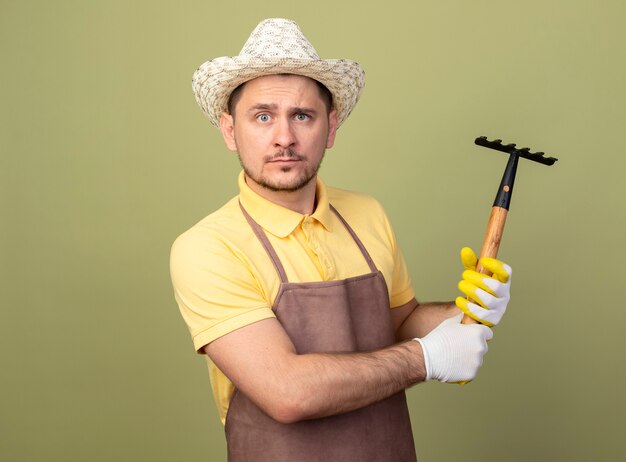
{"x":301,"y":201}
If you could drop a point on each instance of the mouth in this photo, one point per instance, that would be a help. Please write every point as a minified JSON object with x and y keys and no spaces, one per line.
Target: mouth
{"x":285,"y":158}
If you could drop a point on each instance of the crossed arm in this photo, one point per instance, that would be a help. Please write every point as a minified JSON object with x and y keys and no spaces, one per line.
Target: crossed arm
{"x":262,"y":362}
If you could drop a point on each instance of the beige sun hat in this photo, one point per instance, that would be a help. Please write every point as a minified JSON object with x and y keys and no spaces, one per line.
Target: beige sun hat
{"x":276,"y":46}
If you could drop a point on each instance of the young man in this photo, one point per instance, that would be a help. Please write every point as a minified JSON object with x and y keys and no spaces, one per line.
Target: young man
{"x":297,"y":292}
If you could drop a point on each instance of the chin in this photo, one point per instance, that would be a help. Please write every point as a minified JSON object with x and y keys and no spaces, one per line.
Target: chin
{"x":291,"y":185}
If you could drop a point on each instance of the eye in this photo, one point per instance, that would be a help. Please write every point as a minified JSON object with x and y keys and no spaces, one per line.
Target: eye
{"x":302,"y":117}
{"x":263,"y":118}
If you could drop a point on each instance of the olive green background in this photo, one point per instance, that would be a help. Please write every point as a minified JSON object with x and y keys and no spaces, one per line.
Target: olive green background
{"x":105,"y":159}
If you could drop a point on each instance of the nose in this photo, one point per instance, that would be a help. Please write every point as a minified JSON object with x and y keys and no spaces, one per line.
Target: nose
{"x":284,"y":136}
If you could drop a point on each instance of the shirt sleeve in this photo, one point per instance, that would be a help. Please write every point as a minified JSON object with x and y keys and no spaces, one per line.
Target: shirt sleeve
{"x":214,"y":287}
{"x":401,"y":287}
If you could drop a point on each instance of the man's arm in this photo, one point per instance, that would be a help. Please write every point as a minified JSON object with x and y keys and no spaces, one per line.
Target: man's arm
{"x":262,"y":362}
{"x":415,"y":319}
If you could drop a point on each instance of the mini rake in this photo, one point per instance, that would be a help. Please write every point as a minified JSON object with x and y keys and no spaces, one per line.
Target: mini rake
{"x":495,"y":227}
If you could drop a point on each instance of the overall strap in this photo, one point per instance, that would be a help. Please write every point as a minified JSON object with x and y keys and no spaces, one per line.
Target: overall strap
{"x":266,"y":244}
{"x":364,"y":251}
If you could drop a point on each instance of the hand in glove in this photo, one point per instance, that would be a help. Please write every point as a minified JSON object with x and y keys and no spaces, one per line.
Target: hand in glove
{"x":489,"y":294}
{"x":453,"y":352}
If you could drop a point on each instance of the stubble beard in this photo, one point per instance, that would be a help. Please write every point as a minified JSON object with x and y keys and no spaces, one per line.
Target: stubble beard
{"x":273,"y":185}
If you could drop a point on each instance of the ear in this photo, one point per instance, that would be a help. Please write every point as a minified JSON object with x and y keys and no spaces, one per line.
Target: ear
{"x":333,"y":124}
{"x":227,"y":127}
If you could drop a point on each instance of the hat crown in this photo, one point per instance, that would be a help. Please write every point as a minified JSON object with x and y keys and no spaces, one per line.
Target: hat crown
{"x":278,"y":38}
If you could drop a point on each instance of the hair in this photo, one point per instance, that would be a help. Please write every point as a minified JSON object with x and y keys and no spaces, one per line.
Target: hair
{"x":324,"y":92}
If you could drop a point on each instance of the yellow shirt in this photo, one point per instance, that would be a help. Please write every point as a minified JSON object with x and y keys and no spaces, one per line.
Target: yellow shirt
{"x":224,"y":280}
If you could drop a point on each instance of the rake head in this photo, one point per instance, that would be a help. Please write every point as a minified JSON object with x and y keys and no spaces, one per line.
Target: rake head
{"x":511,"y":149}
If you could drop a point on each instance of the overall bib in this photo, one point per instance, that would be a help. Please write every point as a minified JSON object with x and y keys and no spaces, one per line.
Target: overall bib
{"x":351,"y":315}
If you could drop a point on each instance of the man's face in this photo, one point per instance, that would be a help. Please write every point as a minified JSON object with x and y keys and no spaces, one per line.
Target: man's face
{"x":280,"y":129}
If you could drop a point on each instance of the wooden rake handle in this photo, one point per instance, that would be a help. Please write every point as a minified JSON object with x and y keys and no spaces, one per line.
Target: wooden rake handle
{"x":491,"y":244}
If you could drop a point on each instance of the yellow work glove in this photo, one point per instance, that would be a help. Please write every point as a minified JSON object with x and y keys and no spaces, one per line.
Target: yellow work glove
{"x":488,"y":295}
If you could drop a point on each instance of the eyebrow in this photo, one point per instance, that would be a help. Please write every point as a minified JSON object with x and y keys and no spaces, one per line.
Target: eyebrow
{"x":270,"y":107}
{"x":263,"y":107}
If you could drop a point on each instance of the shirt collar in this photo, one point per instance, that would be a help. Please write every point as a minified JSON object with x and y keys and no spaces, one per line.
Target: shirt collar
{"x":279,"y":220}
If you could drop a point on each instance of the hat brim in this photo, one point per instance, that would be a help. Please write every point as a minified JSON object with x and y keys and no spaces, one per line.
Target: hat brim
{"x":215,"y":80}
